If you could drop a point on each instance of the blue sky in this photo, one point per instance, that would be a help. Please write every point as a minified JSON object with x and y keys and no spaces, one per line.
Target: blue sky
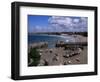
{"x":40,"y":23}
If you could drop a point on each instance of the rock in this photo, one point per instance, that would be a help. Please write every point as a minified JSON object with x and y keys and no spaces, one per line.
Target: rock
{"x":64,"y":56}
{"x":56,"y":58}
{"x":77,"y":59}
{"x":67,"y":55}
{"x":42,"y":62}
{"x":50,"y":51}
{"x":75,"y":53}
{"x":69,"y":62}
{"x":56,"y":54}
{"x":31,"y":60}
{"x":60,"y":64}
{"x":46,"y":63}
{"x":65,"y":63}
{"x":40,"y":54}
{"x":70,"y":55}
{"x":79,"y":50}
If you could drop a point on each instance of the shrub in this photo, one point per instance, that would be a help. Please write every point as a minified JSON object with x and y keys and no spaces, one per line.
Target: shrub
{"x":34,"y":55}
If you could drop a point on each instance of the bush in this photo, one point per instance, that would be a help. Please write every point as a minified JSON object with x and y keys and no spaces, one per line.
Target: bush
{"x":34,"y":55}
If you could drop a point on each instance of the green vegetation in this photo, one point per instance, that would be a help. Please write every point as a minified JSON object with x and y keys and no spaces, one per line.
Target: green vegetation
{"x":33,"y":57}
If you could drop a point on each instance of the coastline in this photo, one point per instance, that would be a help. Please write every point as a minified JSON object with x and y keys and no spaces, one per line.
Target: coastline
{"x":73,"y":38}
{"x":62,"y":53}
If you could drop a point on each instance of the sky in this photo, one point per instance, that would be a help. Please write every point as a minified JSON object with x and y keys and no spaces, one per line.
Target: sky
{"x":43,"y":23}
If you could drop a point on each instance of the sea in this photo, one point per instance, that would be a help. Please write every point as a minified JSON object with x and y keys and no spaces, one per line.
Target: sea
{"x":51,"y":39}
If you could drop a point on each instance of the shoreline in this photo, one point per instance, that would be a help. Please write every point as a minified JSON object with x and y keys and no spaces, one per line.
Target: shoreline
{"x":68,"y":38}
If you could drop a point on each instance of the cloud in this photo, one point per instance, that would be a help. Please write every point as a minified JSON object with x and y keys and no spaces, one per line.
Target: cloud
{"x":41,"y":29}
{"x":63,"y":21}
{"x":76,"y":20}
{"x":68,"y":23}
{"x":64,"y":24}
